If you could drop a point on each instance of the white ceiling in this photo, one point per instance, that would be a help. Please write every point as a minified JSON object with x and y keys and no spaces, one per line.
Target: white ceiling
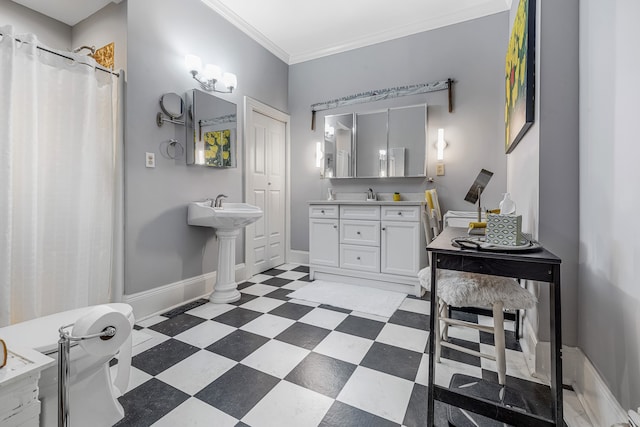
{"x":300,"y":30}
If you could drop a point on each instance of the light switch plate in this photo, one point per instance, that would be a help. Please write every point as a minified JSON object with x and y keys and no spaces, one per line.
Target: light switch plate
{"x":150,"y":160}
{"x":440,"y":169}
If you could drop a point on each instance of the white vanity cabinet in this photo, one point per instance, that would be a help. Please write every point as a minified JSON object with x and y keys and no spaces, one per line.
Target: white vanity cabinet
{"x":324,"y":236}
{"x":379,"y":244}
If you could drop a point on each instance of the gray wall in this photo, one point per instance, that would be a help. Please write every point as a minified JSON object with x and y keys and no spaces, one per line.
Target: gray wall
{"x":553,"y":144}
{"x":471,"y":52}
{"x":50,"y":32}
{"x":160,"y":248}
{"x":609,"y":295}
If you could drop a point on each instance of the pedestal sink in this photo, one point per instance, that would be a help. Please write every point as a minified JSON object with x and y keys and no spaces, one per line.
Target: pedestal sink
{"x":227,"y":220}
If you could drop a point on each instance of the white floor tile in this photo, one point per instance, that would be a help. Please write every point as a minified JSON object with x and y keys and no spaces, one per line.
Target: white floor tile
{"x":205,"y":334}
{"x":324,"y":318}
{"x":210,"y":310}
{"x":289,"y":405}
{"x":195,"y":413}
{"x":259,"y":289}
{"x":516,"y":364}
{"x":151,"y":321}
{"x":404,"y":337}
{"x":463,"y":333}
{"x":276,"y":358}
{"x":268,"y":325}
{"x":381,"y":394}
{"x":156,"y":338}
{"x":287,"y":267}
{"x":138,"y":337}
{"x":444,"y":371}
{"x":259,"y":278}
{"x":345,"y":347}
{"x":415,"y":305}
{"x":136,"y":377}
{"x":292,"y":275}
{"x":295,"y":285}
{"x":196,"y":371}
{"x":263,"y":305}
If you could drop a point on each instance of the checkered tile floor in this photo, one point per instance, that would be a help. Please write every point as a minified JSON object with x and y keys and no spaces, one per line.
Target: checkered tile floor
{"x":268,"y":360}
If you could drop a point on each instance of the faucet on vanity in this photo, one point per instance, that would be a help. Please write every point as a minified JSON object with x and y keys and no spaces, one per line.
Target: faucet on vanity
{"x":371,"y":195}
{"x":218,"y":202}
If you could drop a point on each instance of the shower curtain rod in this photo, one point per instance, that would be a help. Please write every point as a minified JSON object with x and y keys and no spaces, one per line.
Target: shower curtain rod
{"x":97,"y":67}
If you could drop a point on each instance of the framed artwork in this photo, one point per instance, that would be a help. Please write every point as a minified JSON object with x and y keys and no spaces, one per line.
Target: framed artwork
{"x":520,"y":75}
{"x":105,"y":56}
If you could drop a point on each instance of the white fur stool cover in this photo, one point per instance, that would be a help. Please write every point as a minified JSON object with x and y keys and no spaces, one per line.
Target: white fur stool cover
{"x":460,"y":289}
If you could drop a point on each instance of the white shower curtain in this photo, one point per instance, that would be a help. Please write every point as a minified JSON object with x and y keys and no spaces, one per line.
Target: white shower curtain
{"x":59,"y":190}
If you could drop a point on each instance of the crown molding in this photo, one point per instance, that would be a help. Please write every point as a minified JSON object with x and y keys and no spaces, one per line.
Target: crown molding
{"x":246,"y":28}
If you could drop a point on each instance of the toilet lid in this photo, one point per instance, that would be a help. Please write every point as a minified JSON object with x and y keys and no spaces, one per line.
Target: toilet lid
{"x":42,"y":334}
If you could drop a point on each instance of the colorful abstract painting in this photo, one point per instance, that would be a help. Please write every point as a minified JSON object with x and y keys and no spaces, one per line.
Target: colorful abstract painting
{"x":217,"y":148}
{"x":105,"y":56}
{"x":520,"y":75}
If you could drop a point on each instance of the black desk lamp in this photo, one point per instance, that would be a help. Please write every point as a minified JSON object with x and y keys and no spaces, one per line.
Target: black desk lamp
{"x":478,"y":186}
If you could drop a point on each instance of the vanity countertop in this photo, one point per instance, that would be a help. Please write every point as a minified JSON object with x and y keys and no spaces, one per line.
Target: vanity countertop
{"x":363,"y":202}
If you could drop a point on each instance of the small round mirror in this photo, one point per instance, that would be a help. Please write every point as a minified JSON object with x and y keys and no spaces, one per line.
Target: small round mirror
{"x":172,"y":105}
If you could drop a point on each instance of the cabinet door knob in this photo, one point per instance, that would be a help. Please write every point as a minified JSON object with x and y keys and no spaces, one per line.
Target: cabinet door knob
{"x":384,"y":228}
{"x":358,"y":258}
{"x":358,"y":233}
{"x":399,"y":213}
{"x":335,"y":226}
{"x":322,"y":211}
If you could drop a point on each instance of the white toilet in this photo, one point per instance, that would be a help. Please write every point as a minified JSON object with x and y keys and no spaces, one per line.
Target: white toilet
{"x":91,"y":395}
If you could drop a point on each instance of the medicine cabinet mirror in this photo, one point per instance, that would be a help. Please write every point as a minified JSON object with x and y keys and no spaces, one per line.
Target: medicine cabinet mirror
{"x":211,"y":130}
{"x":377,"y":144}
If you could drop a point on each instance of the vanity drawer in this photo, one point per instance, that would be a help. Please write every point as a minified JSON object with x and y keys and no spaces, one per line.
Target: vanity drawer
{"x":360,"y":212}
{"x":364,"y":258}
{"x":323,"y":211}
{"x":356,"y":232}
{"x":401,"y":213}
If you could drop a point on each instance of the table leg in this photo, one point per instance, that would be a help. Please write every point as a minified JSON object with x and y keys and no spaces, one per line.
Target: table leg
{"x":432,"y":332}
{"x":556,"y":345}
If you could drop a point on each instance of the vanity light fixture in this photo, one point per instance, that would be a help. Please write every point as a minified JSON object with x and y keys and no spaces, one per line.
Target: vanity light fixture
{"x":441,"y":145}
{"x":210,"y":75}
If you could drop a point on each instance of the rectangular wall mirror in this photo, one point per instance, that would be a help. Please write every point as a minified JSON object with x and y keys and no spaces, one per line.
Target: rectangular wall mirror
{"x":211,"y":130}
{"x":377,"y":144}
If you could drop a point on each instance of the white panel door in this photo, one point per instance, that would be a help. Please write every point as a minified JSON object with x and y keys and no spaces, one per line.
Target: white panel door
{"x":399,"y":248}
{"x":266,"y":184}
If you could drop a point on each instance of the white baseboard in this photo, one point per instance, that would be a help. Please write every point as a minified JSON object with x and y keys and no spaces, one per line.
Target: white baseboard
{"x":599,"y":403}
{"x":298,"y":257}
{"x":163,"y":298}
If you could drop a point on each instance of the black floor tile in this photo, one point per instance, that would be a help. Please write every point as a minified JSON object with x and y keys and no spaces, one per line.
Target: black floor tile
{"x":237,"y":317}
{"x":177,"y":324}
{"x":184,"y":308}
{"x":306,"y":278}
{"x":280,"y":294}
{"x":321,"y":373}
{"x":392,"y":360}
{"x":338,"y":309}
{"x":147,"y":403}
{"x":416,"y":415}
{"x":237,"y":345}
{"x":461,"y":315}
{"x":276,"y":281}
{"x":137,"y":327}
{"x":244,"y":298}
{"x":537,"y":396}
{"x":343,"y":415}
{"x":291,"y":310}
{"x":361,"y":327}
{"x":303,"y":335}
{"x":458,"y":356}
{"x":243,"y":285}
{"x":510,"y":341}
{"x":410,"y":319}
{"x":237,"y":390}
{"x":273,"y":272}
{"x":163,"y":356}
{"x":301,"y":269}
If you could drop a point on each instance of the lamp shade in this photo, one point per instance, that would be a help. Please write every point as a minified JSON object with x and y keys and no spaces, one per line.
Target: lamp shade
{"x":212,"y":72}
{"x":230,"y":80}
{"x":193,"y":63}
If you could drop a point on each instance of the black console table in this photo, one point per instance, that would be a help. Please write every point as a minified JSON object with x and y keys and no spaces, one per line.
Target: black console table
{"x":542,"y":266}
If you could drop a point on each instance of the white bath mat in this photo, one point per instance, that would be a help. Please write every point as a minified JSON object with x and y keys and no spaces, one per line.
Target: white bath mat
{"x":351,"y":297}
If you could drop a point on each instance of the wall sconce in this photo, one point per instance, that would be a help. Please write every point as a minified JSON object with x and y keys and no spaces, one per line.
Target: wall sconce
{"x":441,"y":145}
{"x":210,"y":75}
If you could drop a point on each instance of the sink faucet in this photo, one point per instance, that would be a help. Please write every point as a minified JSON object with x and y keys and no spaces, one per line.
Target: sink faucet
{"x":371,"y":195}
{"x":218,"y":201}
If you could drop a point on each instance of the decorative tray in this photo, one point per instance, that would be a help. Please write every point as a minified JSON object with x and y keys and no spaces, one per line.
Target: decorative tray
{"x":480,"y":243}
